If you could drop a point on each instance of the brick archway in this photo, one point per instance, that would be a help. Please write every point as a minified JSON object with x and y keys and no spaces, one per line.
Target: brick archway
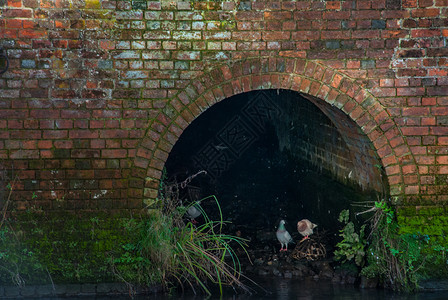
{"x":310,"y":78}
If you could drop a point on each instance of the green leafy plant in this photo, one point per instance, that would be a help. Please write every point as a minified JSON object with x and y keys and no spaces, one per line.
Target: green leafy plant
{"x":393,"y":257}
{"x":396,"y":259}
{"x":18,"y":263}
{"x":353,"y":244}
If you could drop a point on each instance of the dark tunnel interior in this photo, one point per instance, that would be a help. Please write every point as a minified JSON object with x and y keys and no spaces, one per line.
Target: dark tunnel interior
{"x":269,"y":155}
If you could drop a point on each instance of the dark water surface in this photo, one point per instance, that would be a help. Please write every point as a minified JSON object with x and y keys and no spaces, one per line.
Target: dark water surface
{"x":285,"y":289}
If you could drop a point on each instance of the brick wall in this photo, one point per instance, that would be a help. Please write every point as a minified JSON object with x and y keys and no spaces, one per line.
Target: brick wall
{"x":98,"y":92}
{"x":325,"y":137}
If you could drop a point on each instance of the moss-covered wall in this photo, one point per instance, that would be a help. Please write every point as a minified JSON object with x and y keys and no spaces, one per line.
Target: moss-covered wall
{"x":46,"y":248}
{"x":428,"y":220}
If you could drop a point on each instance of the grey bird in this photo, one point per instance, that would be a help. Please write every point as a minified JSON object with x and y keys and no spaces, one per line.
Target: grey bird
{"x":194,"y":211}
{"x":283,"y":236}
{"x":305,"y":227}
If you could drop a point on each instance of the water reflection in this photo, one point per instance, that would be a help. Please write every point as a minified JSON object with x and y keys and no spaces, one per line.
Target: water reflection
{"x":286,"y":289}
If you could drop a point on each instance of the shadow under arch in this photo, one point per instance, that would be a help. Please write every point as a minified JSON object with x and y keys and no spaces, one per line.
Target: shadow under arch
{"x":271,"y":155}
{"x":311,"y":79}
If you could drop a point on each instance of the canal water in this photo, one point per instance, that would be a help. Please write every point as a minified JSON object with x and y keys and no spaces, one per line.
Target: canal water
{"x":286,"y":289}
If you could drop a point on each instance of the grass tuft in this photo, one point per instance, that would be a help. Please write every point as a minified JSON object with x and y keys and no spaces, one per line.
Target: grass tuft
{"x":178,"y":253}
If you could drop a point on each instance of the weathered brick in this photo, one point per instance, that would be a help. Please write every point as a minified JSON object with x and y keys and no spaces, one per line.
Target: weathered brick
{"x":425,"y":33}
{"x":17,"y":13}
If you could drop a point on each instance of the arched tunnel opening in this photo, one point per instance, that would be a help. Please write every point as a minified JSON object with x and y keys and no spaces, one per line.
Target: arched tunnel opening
{"x":276,"y":154}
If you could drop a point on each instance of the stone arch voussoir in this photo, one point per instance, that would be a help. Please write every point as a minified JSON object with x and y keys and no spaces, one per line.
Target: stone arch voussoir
{"x":300,"y":75}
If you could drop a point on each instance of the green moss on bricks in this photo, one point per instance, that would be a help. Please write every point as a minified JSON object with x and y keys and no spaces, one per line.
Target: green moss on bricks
{"x":406,"y":210}
{"x":432,"y":230}
{"x":67,"y":247}
{"x":430,"y":210}
{"x":431,"y":220}
{"x":228,"y":24}
{"x":415,"y":221}
{"x":93,"y":4}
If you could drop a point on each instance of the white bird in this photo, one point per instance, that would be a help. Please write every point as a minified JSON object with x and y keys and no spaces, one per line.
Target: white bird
{"x":283,"y":236}
{"x":305,"y":228}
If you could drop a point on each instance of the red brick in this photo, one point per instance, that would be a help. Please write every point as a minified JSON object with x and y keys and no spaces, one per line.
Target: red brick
{"x":428,"y":121}
{"x":437,"y":91}
{"x":17,"y":13}
{"x":410,"y":91}
{"x":366,"y":34}
{"x":14,"y":3}
{"x":415,"y":111}
{"x":277,"y":15}
{"x":425,"y":32}
{"x":114,"y":153}
{"x":365,"y":14}
{"x":83,"y":134}
{"x":439,"y":130}
{"x":333,"y":5}
{"x":415,"y":130}
{"x":411,"y":190}
{"x":24,"y":154}
{"x":442,"y":159}
{"x":13,"y":23}
{"x":336,"y":15}
{"x":276,"y":35}
{"x":335,"y":34}
{"x":392,"y":169}
{"x":305,"y":35}
{"x":305,"y":85}
{"x":439,"y":111}
{"x":425,"y":13}
{"x":32,"y":34}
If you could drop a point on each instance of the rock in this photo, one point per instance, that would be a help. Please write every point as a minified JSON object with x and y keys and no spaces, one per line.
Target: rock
{"x":326,"y":271}
{"x":326,"y":274}
{"x":263,"y":272}
{"x":249,"y":268}
{"x":434,"y":285}
{"x":302,"y":269}
{"x":348,"y":274}
{"x":276,"y":272}
{"x":368,"y":283}
{"x":265,"y":236}
{"x":350,"y":279}
{"x":336,"y":278}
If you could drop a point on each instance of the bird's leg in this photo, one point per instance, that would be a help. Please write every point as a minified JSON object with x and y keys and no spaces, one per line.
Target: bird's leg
{"x":193,"y":221}
{"x":304,"y":238}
